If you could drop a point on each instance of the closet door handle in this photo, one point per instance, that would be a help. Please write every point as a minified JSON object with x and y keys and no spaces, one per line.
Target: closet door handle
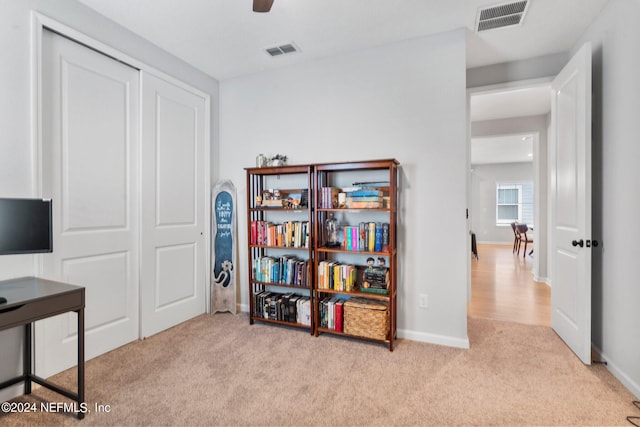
{"x":577,"y":243}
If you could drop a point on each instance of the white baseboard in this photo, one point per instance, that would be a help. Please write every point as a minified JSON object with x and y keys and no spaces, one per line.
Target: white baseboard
{"x":434,"y":338}
{"x":629,"y":383}
{"x":544,"y":280}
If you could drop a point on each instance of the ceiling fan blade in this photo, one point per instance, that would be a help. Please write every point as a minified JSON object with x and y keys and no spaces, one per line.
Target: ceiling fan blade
{"x":262,"y":5}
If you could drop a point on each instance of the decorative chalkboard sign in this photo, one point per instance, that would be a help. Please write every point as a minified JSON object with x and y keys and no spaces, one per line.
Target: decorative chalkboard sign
{"x":223,"y":247}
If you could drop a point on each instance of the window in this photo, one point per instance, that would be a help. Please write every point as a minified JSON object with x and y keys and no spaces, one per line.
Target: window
{"x":514,"y":202}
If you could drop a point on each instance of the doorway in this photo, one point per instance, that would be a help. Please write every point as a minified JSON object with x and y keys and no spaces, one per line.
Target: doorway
{"x":508,"y":140}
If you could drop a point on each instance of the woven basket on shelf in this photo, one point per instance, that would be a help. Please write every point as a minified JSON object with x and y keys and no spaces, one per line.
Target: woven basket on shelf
{"x":366,"y":318}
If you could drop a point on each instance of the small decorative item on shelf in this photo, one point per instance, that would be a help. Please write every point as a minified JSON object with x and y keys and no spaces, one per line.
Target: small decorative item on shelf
{"x":278,"y":160}
{"x":331,"y":228}
{"x":342,"y":200}
{"x":261,"y":161}
{"x":272,"y":199}
{"x":375,"y":279}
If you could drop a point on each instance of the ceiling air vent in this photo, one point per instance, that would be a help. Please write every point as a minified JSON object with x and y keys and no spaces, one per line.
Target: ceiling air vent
{"x":283,"y":49}
{"x":501,"y":15}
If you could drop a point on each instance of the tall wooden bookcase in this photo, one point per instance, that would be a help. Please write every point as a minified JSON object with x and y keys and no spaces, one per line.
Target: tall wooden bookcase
{"x":378,"y":174}
{"x":279,"y":235}
{"x":319,"y":180}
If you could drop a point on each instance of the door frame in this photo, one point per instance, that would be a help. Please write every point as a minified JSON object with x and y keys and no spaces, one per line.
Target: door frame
{"x":39,"y":23}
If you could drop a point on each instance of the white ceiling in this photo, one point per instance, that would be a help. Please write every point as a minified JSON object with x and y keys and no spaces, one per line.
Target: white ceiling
{"x":225,"y":39}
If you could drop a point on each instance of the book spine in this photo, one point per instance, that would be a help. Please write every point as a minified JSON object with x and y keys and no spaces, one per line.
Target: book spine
{"x":336,"y":278}
{"x":339,"y":315}
{"x":371,"y":244}
{"x":366,"y":193}
{"x":254,"y":232}
{"x":385,"y":237}
{"x":365,"y":205}
{"x":378,"y":242}
{"x":362,"y":236}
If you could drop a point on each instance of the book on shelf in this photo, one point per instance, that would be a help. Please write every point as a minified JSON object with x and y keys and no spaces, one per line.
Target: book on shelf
{"x":366,"y":192}
{"x":339,"y":315}
{"x":378,"y":239}
{"x":385,"y":237}
{"x":353,"y":204}
{"x":303,"y":311}
{"x":371,"y":243}
{"x":330,"y":309}
{"x":379,"y":291}
{"x":364,"y":199}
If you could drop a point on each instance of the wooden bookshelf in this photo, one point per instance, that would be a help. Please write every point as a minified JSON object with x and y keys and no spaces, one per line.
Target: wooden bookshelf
{"x":287,"y":180}
{"x":356,"y":174}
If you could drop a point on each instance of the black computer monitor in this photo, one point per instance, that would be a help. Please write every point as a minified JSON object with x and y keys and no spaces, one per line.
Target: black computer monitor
{"x":25,"y":226}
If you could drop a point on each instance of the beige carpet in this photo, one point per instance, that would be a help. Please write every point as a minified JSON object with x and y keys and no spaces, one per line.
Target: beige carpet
{"x":219,"y":370}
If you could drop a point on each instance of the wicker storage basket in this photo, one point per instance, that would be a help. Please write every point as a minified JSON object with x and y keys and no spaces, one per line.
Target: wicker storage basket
{"x":366,"y":318}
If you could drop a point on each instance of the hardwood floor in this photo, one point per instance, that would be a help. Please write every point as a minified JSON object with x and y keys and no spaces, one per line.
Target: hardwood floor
{"x":502,"y":288}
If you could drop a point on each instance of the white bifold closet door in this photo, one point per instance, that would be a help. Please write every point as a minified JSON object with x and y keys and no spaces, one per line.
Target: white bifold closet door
{"x":90,"y":152}
{"x":123,"y":158}
{"x":173,"y":205}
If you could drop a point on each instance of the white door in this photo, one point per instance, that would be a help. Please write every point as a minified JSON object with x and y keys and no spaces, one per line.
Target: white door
{"x":173,"y":205}
{"x":89,"y":163}
{"x":571,"y":204}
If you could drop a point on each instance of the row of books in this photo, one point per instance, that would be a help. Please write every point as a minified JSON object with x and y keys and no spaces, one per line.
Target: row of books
{"x":337,"y":276}
{"x":354,"y":198}
{"x":290,"y":234}
{"x":366,"y":236}
{"x":332,"y":313}
{"x":365,"y":199}
{"x":288,"y":307}
{"x":286,"y":269}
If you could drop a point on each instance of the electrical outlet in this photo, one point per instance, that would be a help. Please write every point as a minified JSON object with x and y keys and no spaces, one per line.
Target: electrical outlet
{"x":424,"y":300}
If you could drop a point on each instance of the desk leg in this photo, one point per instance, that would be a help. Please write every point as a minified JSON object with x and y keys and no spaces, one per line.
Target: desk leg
{"x":80,"y":361}
{"x":27,"y":359}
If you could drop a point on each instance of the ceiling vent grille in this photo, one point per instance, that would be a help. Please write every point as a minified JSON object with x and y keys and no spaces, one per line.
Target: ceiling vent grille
{"x":282,"y":49}
{"x":501,"y":15}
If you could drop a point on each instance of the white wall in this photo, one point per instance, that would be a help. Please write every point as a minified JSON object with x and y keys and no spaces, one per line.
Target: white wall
{"x":16,"y":159}
{"x":483,"y":198}
{"x":616,"y":125}
{"x":404,"y":100}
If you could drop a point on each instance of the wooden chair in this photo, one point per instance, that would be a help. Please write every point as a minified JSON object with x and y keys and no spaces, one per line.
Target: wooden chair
{"x":522,"y":229}
{"x":516,"y":237}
